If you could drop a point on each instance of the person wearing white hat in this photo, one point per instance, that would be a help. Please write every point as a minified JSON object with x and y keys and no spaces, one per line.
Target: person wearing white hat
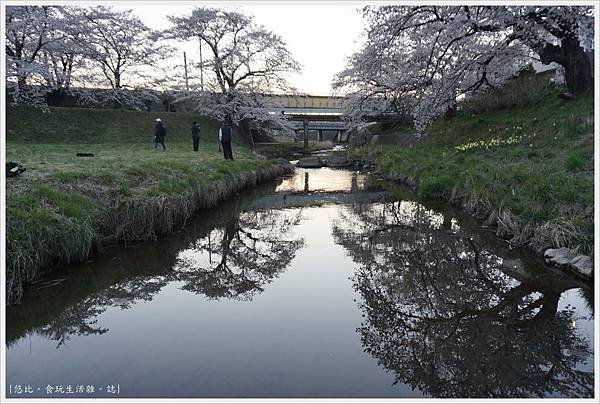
{"x":159,"y":134}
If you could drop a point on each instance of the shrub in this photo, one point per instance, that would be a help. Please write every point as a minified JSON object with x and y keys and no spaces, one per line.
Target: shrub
{"x":436,"y":186}
{"x":527,"y":89}
{"x":574,"y":161}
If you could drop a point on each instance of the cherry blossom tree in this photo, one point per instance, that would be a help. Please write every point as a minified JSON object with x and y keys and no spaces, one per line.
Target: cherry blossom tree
{"x":422,"y":58}
{"x":67,"y":57}
{"x":98,"y":54}
{"x":30,"y":33}
{"x":246,"y":61}
{"x":124,"y":54}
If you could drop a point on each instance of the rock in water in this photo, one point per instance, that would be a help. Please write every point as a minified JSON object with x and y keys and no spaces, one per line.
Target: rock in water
{"x":283,"y":162}
{"x":581,"y":264}
{"x":309,"y":162}
{"x":334,"y":161}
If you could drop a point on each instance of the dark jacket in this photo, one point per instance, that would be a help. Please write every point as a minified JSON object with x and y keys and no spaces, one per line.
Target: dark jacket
{"x":195,"y":131}
{"x":226,"y":134}
{"x":160,"y":131}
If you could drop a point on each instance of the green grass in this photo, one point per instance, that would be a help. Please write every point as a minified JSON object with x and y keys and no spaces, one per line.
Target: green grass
{"x":62,"y":204}
{"x":85,"y":125}
{"x":534,"y":161}
{"x":576,"y":160}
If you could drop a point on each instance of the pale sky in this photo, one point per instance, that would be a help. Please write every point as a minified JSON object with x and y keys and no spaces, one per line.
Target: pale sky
{"x":320,"y":35}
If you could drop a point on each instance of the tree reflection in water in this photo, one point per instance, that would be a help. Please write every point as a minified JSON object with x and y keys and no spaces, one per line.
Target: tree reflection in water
{"x":453,"y":319}
{"x":233,"y":260}
{"x":81,"y":318}
{"x":238,"y":260}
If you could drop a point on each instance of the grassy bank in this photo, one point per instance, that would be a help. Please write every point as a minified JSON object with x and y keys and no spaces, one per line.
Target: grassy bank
{"x":64,"y":207}
{"x":91,"y":281}
{"x":527,"y":171}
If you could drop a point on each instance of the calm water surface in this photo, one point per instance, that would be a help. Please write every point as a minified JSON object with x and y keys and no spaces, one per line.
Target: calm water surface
{"x":320,"y":285}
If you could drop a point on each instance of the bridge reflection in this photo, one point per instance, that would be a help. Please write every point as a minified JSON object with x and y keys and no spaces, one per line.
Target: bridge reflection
{"x":323,"y":180}
{"x":323,"y":186}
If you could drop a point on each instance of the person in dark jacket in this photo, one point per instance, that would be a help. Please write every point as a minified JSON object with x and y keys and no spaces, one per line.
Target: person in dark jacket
{"x":225,"y":139}
{"x":159,"y":134}
{"x":195,"y":135}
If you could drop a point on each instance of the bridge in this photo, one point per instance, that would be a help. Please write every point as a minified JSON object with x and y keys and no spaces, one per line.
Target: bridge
{"x":320,"y":114}
{"x":307,"y":101}
{"x":319,"y":120}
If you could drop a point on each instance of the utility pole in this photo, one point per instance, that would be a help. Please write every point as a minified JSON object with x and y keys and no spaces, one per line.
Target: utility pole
{"x":201,"y":65}
{"x":187,"y":84}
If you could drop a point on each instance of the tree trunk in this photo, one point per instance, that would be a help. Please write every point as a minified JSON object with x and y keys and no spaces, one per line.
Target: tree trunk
{"x":22,"y":82}
{"x":246,"y":133}
{"x":578,"y":67}
{"x":117,"y":103}
{"x":450,"y":112}
{"x":55,"y":98}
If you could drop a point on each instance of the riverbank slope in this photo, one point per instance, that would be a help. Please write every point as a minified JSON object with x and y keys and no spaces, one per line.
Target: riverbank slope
{"x":64,"y":207}
{"x":527,"y":171}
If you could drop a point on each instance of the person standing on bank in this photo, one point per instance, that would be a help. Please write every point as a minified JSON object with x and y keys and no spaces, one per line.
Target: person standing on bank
{"x":195,"y":135}
{"x":159,"y":134}
{"x":225,"y":139}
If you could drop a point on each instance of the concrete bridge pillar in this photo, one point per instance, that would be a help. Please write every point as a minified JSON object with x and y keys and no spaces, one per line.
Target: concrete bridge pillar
{"x":305,"y":123}
{"x":319,"y":135}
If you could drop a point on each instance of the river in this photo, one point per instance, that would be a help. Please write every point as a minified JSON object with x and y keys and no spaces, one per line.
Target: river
{"x":322,"y":284}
